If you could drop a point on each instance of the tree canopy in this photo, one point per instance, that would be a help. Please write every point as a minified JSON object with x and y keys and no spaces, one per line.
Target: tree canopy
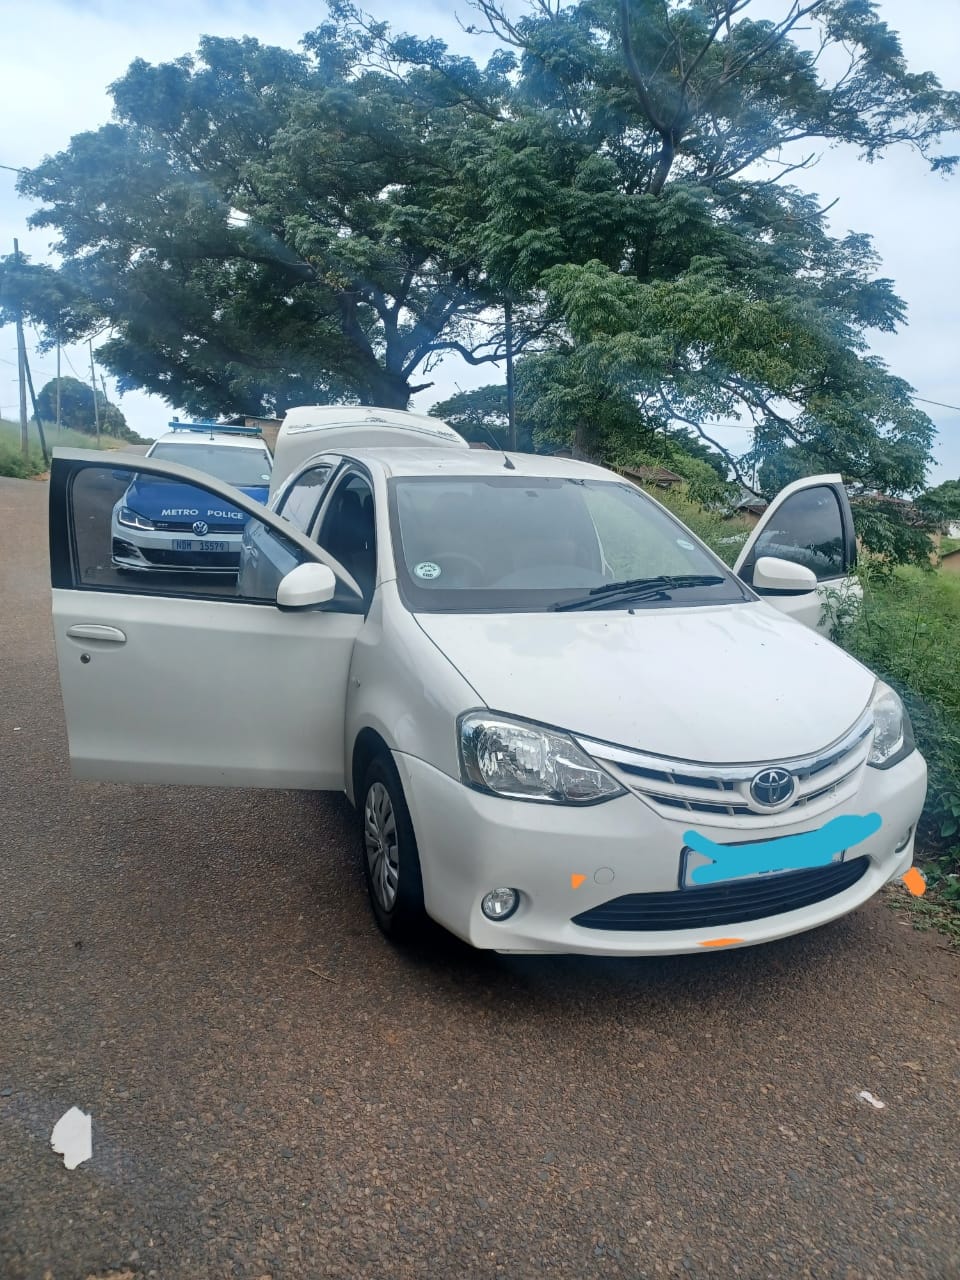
{"x":942,"y":501}
{"x":261,"y":227}
{"x":77,"y":411}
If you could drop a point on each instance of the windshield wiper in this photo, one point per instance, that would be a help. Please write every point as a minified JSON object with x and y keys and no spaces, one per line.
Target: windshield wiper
{"x":638,"y":589}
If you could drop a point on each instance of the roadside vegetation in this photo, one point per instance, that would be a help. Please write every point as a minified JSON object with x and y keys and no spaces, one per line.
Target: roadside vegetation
{"x":907,"y":632}
{"x":13,"y":463}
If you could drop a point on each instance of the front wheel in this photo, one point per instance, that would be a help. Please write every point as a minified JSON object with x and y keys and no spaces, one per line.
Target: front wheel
{"x":391,"y":863}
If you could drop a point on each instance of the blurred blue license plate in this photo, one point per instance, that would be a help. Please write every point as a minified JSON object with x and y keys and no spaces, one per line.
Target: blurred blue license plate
{"x":690,"y":860}
{"x":187,"y":544}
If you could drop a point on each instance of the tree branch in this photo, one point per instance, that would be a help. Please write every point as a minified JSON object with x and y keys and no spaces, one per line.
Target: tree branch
{"x":732,"y":462}
{"x":636,"y":74}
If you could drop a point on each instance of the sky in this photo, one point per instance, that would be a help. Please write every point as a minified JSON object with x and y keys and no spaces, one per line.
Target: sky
{"x":58,"y":58}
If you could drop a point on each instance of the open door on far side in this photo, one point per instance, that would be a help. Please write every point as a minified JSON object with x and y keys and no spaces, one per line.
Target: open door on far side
{"x":809,"y":523}
{"x":170,"y":672}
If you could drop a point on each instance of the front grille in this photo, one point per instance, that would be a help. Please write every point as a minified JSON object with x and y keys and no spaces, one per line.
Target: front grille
{"x":196,"y":559}
{"x":717,"y":792}
{"x":734,"y":902}
{"x":186,"y":526}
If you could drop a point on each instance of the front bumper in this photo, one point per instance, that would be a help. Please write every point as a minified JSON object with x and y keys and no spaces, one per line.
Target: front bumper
{"x":470,"y":843}
{"x":148,"y":551}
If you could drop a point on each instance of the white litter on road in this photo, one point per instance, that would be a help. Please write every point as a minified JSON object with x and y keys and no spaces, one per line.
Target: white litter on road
{"x":72,"y":1137}
{"x":868,"y":1097}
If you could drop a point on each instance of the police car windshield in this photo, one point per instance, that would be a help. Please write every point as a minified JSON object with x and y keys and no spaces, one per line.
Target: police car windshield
{"x":245,"y":468}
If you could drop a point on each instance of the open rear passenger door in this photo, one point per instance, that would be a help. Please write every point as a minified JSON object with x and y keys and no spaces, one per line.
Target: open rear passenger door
{"x":809,"y":523}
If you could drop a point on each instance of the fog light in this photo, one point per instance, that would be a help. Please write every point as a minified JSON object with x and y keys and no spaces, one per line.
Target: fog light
{"x":499,"y":904}
{"x":905,"y":841}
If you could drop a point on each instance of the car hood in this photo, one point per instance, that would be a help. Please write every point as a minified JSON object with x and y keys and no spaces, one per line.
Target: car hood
{"x":718,"y":684}
{"x":161,"y":501}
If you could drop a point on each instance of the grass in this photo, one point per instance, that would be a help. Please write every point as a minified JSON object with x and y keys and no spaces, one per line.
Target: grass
{"x":931,"y":911}
{"x":910,"y":628}
{"x":12,"y":461}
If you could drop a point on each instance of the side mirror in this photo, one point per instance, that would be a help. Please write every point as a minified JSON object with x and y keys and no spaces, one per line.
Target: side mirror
{"x":770,"y":573}
{"x":306,"y":586}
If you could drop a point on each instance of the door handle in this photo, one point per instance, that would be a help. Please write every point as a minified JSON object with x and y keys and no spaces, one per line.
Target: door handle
{"x":94,"y":631}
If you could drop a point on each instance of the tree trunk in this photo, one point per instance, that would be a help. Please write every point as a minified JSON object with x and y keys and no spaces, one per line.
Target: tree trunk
{"x":583,"y":444}
{"x":387,"y":391}
{"x":668,"y":151}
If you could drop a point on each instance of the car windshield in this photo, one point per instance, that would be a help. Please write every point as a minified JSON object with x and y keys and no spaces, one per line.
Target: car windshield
{"x":245,"y":468}
{"x":472,"y":544}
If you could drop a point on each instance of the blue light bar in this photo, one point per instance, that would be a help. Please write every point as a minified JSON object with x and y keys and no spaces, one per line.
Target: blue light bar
{"x":205,"y":426}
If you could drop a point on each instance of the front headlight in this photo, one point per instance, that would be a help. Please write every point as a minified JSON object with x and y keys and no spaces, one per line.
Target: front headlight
{"x":133,"y":519}
{"x":526,"y":762}
{"x":892,"y":730}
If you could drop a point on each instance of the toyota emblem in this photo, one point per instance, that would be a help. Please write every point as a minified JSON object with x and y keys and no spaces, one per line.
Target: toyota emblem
{"x":201,"y":528}
{"x":772,"y":787}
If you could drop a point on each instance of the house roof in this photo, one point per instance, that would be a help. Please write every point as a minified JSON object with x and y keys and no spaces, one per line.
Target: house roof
{"x":241,"y":419}
{"x":750,"y":502}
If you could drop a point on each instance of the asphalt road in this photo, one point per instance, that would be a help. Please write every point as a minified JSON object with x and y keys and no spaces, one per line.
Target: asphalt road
{"x":436,"y":1114}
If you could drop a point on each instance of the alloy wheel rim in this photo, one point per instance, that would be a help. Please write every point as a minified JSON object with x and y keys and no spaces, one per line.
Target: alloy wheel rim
{"x":380,"y":842}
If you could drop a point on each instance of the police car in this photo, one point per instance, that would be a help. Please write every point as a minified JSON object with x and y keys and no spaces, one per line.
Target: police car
{"x":159,"y":525}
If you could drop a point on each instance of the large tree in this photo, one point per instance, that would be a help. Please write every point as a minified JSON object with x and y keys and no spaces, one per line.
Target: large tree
{"x":720,"y":294}
{"x":260,"y":227}
{"x":77,"y":409}
{"x":942,"y":501}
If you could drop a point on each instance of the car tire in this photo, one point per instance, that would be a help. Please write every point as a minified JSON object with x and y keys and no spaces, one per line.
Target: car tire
{"x":391,"y":862}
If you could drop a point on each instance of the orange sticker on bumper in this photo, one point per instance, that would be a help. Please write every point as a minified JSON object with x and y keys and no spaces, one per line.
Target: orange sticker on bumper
{"x":915,"y":881}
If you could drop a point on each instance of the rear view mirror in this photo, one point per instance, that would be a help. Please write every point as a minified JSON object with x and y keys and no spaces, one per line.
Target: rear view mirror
{"x":770,"y":573}
{"x":306,"y":586}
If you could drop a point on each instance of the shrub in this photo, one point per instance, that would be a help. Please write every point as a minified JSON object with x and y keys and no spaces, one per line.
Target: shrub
{"x":13,"y":463}
{"x":907,"y":631}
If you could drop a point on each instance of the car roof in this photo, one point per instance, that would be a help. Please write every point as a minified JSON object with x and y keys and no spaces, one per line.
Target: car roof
{"x":212,"y":437}
{"x":476,"y":462}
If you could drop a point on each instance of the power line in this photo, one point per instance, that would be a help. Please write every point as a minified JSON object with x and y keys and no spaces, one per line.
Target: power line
{"x":939,"y":403}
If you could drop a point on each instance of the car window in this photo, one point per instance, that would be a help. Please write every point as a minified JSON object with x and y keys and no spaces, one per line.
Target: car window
{"x":300,"y":502}
{"x":807,"y":529}
{"x":243,"y":467}
{"x":633,"y":549}
{"x":468,"y":543}
{"x":348,"y":530}
{"x":146,"y":534}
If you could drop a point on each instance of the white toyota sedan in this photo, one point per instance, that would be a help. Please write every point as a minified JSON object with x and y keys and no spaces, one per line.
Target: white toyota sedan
{"x":565,"y":724}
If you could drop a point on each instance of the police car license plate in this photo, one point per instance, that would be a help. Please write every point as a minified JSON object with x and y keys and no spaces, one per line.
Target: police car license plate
{"x":187,"y":544}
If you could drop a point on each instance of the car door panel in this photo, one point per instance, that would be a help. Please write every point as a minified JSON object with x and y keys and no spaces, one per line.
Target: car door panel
{"x":809,"y":522}
{"x":175,"y":678}
{"x":208,"y":692}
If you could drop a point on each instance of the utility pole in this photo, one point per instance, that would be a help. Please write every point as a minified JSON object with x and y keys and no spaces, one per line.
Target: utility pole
{"x":36,"y":412}
{"x":93,"y":387}
{"x":21,"y":365}
{"x":59,"y":319}
{"x":106,"y":400}
{"x":508,"y":340}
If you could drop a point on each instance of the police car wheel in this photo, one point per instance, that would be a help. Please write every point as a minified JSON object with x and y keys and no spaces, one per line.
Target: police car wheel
{"x":391,"y":863}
